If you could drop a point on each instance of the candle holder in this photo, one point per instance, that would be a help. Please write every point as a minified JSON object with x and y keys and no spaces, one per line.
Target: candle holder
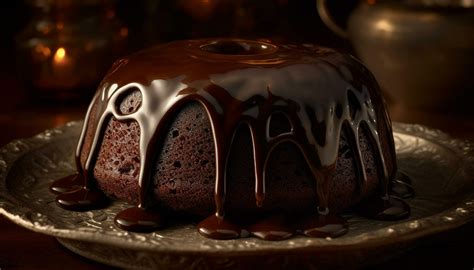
{"x":67,"y":47}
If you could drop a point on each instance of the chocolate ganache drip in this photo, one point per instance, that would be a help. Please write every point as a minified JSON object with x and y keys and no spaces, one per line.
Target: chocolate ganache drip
{"x":241,"y":82}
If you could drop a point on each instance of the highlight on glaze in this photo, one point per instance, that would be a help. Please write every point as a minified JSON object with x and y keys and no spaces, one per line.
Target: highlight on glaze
{"x":242,"y":82}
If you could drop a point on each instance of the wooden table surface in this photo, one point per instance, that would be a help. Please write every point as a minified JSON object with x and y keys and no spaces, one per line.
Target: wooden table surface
{"x":21,"y":248}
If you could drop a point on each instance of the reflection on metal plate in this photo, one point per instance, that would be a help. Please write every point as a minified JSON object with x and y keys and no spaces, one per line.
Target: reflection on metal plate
{"x":440,"y":167}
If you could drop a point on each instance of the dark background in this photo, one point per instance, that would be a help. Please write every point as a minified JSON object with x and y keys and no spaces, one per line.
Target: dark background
{"x":153,"y":22}
{"x":156,"y":22}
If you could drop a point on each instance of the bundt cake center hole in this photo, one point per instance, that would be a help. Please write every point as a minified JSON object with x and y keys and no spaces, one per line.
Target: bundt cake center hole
{"x":238,"y":47}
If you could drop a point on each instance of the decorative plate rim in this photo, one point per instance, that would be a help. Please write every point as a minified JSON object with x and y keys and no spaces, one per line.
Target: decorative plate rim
{"x":448,"y":219}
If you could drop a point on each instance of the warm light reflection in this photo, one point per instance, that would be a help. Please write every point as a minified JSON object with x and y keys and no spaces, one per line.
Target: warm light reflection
{"x":371,"y":2}
{"x":384,"y":25}
{"x":199,"y":9}
{"x":124,"y":31}
{"x":42,"y":51}
{"x":44,"y":27}
{"x":60,"y":55}
{"x":467,"y":3}
{"x":60,"y":120}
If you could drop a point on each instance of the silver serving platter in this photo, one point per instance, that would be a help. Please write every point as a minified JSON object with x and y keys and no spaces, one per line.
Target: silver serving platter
{"x":441,"y":168}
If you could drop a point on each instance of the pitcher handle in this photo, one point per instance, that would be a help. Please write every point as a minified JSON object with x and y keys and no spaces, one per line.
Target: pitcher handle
{"x":327,"y":19}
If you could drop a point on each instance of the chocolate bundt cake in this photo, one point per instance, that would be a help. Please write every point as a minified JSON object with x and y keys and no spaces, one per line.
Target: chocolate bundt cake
{"x":258,"y":137}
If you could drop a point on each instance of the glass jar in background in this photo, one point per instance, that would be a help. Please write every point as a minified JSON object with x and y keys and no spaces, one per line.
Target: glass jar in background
{"x":66,"y":48}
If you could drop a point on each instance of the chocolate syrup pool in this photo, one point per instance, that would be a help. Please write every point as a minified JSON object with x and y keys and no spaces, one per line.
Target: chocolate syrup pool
{"x":319,"y":91}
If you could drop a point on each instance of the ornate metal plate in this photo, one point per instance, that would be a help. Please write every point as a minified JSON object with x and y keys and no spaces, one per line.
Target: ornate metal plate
{"x":441,"y":168}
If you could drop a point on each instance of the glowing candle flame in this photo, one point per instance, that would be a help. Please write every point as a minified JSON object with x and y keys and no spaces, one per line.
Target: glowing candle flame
{"x":60,"y":55}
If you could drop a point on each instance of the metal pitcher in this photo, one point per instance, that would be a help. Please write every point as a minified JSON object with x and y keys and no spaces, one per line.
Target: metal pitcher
{"x":421,"y":51}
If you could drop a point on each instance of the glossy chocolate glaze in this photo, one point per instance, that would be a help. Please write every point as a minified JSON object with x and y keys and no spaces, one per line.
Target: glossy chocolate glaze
{"x":320,"y":92}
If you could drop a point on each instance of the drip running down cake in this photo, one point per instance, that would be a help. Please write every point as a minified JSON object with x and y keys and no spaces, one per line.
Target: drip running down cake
{"x":244,"y":136}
